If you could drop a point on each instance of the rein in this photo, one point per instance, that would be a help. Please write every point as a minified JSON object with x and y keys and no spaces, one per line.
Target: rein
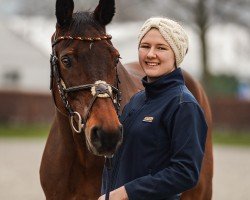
{"x":99,"y":89}
{"x":108,"y":164}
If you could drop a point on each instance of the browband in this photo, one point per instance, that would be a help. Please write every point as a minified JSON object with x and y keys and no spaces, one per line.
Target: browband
{"x":90,"y":39}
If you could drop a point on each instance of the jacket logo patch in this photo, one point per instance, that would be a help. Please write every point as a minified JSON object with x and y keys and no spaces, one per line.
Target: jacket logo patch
{"x":148,"y":119}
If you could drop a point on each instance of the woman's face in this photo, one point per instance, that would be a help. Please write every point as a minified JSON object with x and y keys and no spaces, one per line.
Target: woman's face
{"x":156,"y":57}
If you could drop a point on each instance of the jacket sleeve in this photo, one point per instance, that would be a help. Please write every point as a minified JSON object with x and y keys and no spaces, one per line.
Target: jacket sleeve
{"x":188,"y":131}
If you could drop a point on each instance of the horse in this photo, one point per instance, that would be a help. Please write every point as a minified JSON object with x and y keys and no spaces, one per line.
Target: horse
{"x":87,"y":80}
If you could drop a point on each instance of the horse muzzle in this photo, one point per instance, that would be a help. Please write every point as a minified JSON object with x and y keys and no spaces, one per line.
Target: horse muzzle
{"x":105,"y":143}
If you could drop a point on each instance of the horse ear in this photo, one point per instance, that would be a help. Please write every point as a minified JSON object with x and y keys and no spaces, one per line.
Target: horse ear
{"x":64,"y":11}
{"x":105,"y":11}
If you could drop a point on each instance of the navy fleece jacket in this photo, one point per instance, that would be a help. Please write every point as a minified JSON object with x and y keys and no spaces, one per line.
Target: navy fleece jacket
{"x":164,"y":140}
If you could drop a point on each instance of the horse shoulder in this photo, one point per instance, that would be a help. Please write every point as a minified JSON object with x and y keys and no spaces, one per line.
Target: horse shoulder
{"x":197,"y":90}
{"x":203,"y":189}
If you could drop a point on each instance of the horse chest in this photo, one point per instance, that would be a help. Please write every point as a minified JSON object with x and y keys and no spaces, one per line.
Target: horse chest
{"x":72,"y":185}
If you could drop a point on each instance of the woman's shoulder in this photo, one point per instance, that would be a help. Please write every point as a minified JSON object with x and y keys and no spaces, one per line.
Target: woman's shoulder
{"x":179,"y":98}
{"x":179,"y":95}
{"x":140,"y":95}
{"x":185,"y":96}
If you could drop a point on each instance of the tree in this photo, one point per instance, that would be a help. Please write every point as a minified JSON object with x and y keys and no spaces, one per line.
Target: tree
{"x":202,"y":14}
{"x":199,"y":14}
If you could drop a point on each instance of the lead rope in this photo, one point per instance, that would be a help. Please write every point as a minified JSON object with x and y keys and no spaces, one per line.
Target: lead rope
{"x":108,"y":165}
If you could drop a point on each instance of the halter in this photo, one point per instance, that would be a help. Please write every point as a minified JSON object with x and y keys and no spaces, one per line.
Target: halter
{"x":99,"y":89}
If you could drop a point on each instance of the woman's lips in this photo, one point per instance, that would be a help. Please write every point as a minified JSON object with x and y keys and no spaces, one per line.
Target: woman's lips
{"x":152,"y":64}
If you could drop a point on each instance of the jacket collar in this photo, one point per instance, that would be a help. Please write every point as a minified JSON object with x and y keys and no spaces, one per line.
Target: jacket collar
{"x":163,"y":84}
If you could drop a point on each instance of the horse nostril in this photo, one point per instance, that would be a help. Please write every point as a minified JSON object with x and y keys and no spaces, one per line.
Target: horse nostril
{"x":121,"y":131}
{"x":96,"y":133}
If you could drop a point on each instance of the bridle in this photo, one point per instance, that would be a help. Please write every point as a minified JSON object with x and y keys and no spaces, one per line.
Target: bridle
{"x":98,"y":89}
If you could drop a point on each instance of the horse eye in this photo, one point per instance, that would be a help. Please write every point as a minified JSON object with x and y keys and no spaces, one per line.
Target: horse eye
{"x":66,"y":61}
{"x":117,"y":60}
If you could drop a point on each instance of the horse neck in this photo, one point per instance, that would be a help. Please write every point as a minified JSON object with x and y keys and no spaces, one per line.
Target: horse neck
{"x":68,"y":169}
{"x":129,"y":84}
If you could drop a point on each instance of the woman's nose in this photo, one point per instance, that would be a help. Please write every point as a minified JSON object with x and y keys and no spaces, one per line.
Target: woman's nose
{"x":151,"y":53}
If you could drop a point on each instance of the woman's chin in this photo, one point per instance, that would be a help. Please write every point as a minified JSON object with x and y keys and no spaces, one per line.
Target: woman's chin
{"x":152,"y":75}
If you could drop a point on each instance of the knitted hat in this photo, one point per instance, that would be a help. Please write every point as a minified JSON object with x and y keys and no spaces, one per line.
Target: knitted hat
{"x":172,"y":32}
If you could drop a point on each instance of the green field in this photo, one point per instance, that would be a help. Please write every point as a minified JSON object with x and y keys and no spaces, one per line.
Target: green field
{"x":239,"y":138}
{"x":24,"y":131}
{"x":41,"y":131}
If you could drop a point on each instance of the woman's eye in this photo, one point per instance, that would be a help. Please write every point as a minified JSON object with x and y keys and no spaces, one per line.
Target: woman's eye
{"x":144,"y":46}
{"x":66,"y":62}
{"x":162,"y":48}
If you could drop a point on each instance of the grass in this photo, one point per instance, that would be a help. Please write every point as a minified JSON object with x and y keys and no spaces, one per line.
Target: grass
{"x":237,"y":138}
{"x":24,"y":131}
{"x":225,"y":137}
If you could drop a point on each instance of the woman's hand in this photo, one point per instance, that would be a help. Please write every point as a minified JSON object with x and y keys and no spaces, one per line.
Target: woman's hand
{"x":118,"y":194}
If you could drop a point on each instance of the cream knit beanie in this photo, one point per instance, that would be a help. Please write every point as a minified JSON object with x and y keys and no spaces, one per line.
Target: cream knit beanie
{"x":172,"y":32}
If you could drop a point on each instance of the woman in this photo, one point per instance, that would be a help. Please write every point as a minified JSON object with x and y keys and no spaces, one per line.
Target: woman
{"x":164,"y":126}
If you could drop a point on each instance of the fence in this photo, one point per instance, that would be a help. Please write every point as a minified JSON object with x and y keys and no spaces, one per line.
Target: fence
{"x":20,"y":107}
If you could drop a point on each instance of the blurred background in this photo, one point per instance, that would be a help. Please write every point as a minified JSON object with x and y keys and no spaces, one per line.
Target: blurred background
{"x":219,"y":56}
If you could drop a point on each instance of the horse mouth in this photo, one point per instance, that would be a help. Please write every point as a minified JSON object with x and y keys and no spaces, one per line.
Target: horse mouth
{"x":97,"y":150}
{"x":104,"y":144}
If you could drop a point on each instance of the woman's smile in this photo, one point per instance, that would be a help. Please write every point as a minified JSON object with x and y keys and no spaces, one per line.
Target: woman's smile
{"x":152,"y":64}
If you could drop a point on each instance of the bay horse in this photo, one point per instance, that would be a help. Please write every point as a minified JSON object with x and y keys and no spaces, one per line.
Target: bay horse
{"x":86,"y":80}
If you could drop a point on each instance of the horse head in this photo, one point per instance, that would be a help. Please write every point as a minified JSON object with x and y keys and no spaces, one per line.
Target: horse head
{"x":84,"y":79}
